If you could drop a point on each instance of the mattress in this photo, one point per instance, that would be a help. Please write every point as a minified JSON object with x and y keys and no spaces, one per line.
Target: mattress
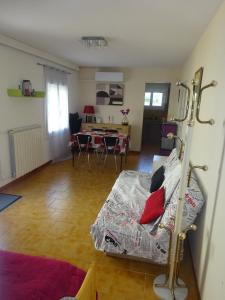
{"x":117,"y":229}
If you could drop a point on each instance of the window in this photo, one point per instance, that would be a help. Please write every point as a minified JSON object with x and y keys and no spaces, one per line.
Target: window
{"x":57,"y":107}
{"x":157,"y":99}
{"x":147,"y":98}
{"x":154,"y":99}
{"x":156,"y":95}
{"x":56,"y":112}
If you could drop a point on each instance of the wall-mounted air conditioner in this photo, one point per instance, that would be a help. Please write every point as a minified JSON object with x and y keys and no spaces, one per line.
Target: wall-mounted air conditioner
{"x":109,"y":76}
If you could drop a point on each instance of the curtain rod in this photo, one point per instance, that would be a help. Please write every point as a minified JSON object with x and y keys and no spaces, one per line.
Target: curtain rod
{"x":51,"y":67}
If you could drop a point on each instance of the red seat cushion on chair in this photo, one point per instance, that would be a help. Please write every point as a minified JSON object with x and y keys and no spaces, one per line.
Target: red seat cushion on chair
{"x":154,"y":206}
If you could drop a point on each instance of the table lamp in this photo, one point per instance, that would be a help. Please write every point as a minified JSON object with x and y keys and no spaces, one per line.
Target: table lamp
{"x":88,"y":110}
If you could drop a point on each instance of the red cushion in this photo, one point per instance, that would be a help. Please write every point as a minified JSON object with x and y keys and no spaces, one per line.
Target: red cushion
{"x":154,"y":206}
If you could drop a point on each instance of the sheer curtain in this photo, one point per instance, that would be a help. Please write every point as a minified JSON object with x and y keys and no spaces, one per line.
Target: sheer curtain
{"x":56,"y":110}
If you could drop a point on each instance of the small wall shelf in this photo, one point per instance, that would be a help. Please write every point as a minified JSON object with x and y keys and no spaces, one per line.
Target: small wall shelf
{"x":18,"y":93}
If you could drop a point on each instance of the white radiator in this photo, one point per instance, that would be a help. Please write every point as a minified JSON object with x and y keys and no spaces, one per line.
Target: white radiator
{"x":26,"y":149}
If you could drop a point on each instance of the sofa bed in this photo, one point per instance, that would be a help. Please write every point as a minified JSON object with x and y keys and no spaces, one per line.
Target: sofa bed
{"x":118,"y":230}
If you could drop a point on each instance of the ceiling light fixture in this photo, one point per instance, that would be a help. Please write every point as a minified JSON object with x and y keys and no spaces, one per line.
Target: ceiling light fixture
{"x":94,"y":41}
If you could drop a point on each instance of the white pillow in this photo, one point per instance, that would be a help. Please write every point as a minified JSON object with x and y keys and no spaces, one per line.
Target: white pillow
{"x":172,"y":175}
{"x":194,"y":201}
{"x":171,"y":180}
{"x":171,"y":161}
{"x":170,"y":183}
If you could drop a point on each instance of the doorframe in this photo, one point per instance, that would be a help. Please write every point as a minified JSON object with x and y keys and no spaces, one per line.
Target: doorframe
{"x":166,"y":106}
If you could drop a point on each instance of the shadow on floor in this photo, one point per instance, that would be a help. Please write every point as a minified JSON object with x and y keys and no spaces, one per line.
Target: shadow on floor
{"x":146,"y":157}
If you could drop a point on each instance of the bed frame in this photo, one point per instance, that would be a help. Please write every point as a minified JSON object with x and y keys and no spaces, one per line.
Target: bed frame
{"x":130,"y":257}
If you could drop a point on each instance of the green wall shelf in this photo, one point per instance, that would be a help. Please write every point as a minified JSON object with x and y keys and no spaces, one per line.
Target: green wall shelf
{"x":18,"y":93}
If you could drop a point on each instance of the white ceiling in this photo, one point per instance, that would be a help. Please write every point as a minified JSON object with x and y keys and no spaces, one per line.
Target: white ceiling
{"x":141,"y":33}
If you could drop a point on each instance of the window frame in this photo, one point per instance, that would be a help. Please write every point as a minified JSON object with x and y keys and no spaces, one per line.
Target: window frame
{"x":152,"y":88}
{"x":59,"y":121}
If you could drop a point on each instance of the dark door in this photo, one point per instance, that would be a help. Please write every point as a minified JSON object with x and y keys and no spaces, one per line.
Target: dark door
{"x":155,"y":112}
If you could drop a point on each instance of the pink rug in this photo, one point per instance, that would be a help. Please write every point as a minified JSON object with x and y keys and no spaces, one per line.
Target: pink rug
{"x":24,"y":277}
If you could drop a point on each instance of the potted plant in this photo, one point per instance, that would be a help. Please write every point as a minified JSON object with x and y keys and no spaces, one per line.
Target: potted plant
{"x":125,"y":112}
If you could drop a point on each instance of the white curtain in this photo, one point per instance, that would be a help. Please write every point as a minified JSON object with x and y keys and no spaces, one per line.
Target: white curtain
{"x":56,"y":108}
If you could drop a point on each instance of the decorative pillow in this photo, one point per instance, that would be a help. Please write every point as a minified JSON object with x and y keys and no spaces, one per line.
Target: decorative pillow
{"x":157,"y":179}
{"x":171,"y":161}
{"x":194,"y":201}
{"x":172,"y":178}
{"x":154,"y":206}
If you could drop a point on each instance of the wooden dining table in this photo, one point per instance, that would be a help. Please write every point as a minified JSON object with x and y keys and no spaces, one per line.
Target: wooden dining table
{"x":97,"y":139}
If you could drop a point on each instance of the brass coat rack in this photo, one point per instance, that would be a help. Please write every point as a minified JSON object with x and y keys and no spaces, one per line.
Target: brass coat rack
{"x":169,"y":286}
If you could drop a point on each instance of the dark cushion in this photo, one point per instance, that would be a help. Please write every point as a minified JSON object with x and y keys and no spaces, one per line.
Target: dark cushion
{"x":74,"y":122}
{"x":78,"y":125}
{"x":154,"y":207}
{"x":157,"y":179}
{"x":74,"y":116}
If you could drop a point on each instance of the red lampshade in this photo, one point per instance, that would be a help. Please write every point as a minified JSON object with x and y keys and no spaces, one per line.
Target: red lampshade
{"x":89,"y":109}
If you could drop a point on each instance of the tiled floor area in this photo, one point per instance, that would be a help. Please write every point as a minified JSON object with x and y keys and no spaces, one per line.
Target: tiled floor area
{"x":53,"y":219}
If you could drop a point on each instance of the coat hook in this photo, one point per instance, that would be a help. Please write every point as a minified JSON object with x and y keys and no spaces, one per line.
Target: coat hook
{"x":171,"y":136}
{"x":180,"y":83}
{"x":204,"y":168}
{"x":211,"y":121}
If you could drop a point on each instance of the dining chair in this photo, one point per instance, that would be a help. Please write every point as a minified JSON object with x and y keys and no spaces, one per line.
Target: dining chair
{"x":97,"y":129}
{"x":111,"y":146}
{"x":111,"y":130}
{"x":73,"y":148}
{"x":84,"y":143}
{"x":98,"y":147}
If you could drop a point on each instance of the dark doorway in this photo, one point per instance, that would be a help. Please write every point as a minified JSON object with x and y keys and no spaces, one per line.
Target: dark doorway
{"x":155,"y":112}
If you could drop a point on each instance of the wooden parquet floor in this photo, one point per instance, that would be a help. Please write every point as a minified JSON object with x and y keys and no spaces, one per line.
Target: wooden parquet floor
{"x":53,"y":220}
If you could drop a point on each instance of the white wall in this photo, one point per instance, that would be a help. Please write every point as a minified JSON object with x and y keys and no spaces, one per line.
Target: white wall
{"x":16,"y":112}
{"x":208,"y":243}
{"x":135,"y":79}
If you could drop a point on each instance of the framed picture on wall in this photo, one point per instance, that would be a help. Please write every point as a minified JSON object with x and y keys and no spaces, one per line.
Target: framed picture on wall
{"x":109,"y":93}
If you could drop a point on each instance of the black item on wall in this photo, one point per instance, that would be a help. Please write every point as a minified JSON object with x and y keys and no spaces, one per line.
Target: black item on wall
{"x":74,"y":123}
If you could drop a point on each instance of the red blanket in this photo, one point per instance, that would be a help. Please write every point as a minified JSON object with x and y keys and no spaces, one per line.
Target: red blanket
{"x":24,"y":277}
